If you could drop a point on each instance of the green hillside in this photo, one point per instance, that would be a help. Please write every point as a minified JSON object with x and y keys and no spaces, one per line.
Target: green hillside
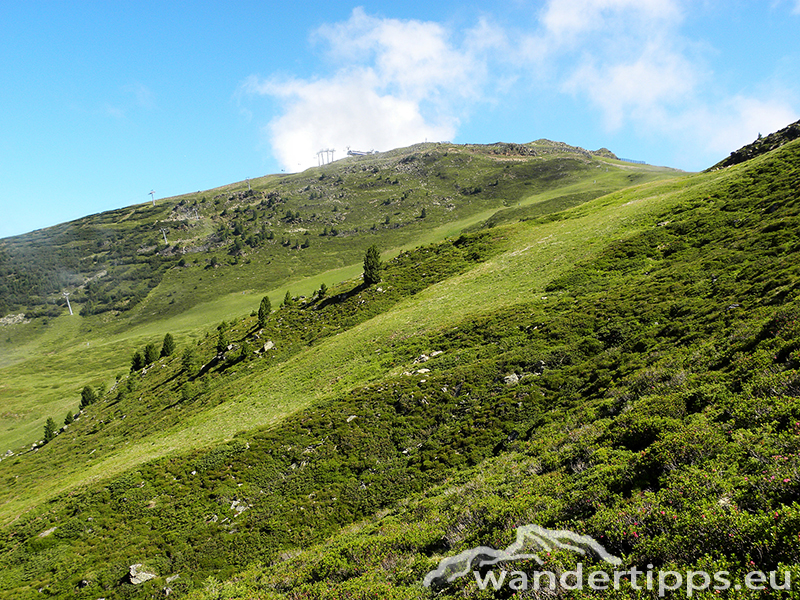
{"x":264,"y":236}
{"x":578,"y":343}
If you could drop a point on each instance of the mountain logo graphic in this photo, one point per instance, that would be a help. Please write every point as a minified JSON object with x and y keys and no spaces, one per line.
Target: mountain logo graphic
{"x":532,"y":536}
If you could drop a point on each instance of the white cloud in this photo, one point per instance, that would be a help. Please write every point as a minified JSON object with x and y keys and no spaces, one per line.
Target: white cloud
{"x":638,"y":89}
{"x":568,"y":22}
{"x":395,"y":83}
{"x":630,"y":61}
{"x":344,"y":111}
{"x":624,"y":56}
{"x":143,"y":95}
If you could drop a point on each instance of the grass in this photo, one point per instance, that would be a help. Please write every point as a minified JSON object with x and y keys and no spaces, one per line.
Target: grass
{"x":653,"y":335}
{"x":43,"y":366}
{"x":541,"y":252}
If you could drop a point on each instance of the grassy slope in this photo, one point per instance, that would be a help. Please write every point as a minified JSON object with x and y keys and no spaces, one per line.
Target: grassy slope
{"x":687,"y":457}
{"x":44,"y":366}
{"x":540,"y":253}
{"x":663,"y":422}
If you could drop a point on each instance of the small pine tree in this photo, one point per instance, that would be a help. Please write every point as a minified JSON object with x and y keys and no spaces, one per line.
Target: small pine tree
{"x":323,"y":290}
{"x":246,"y":352}
{"x":372,"y":265}
{"x":222,"y":342}
{"x":189,"y":361}
{"x":423,"y":214}
{"x":168,"y":346}
{"x":287,"y":299}
{"x":137,"y":361}
{"x":69,"y":419}
{"x":150,"y":354}
{"x":264,"y":311}
{"x":88,"y":396}
{"x":49,"y":430}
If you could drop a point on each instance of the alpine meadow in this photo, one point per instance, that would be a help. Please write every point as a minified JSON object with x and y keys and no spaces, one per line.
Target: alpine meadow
{"x":322,"y":385}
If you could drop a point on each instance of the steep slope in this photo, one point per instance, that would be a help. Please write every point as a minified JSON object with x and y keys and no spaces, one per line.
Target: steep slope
{"x":625,"y":369}
{"x":656,"y":410}
{"x":253,"y":238}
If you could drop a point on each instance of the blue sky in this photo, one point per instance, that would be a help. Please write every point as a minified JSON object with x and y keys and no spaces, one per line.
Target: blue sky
{"x":100,"y":102}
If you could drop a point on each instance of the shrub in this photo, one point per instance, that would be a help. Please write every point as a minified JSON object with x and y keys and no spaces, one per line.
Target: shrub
{"x":190,"y":361}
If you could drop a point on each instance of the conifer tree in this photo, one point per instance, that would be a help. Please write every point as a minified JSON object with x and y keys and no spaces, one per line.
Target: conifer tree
{"x":150,"y":354}
{"x":168,"y":346}
{"x":190,"y":361}
{"x":222,"y":342}
{"x":88,"y":396}
{"x":49,"y":430}
{"x":372,"y":266}
{"x":137,"y":361}
{"x":246,"y":352}
{"x":264,"y":311}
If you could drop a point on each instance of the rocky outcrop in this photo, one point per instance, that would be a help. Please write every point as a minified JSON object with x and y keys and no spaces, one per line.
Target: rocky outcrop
{"x":138,"y":575}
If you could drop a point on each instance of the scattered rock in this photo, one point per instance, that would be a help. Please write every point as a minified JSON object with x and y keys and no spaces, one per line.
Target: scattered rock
{"x":351,"y":417}
{"x":47,"y":532}
{"x":269,"y":345}
{"x":239,"y":507}
{"x":423,"y":371}
{"x":422,"y":358}
{"x":137,"y":574}
{"x":512,"y":379}
{"x":15,"y":320}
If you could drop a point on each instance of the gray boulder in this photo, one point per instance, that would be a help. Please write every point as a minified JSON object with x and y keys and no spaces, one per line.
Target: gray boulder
{"x":137,"y":574}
